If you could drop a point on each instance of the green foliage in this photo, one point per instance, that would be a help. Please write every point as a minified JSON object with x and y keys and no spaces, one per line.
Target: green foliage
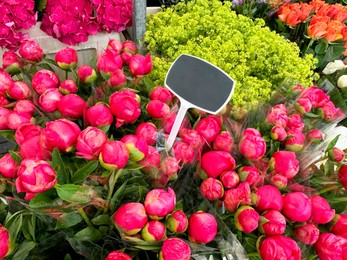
{"x":258,"y":59}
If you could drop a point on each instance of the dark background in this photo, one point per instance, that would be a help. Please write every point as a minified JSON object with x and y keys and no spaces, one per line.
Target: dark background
{"x":153,"y":3}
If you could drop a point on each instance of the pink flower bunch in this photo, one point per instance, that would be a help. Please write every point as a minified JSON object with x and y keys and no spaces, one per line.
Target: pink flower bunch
{"x":113,"y":15}
{"x":16,"y":16}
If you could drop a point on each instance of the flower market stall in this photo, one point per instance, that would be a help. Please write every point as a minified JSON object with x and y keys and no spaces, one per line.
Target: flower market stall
{"x":87,"y":172}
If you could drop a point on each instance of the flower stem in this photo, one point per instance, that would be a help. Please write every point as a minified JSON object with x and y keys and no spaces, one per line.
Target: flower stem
{"x":332,"y":187}
{"x":85,"y":217}
{"x":111,"y":182}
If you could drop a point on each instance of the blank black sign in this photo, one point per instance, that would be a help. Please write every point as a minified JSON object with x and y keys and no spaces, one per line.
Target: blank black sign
{"x":200,"y":83}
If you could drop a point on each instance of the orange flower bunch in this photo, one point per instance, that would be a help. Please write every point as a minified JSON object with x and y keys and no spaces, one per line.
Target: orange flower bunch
{"x":325,"y":20}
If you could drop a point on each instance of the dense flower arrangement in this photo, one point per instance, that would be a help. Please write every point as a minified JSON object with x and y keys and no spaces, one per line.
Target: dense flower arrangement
{"x":61,"y":21}
{"x":258,"y":59}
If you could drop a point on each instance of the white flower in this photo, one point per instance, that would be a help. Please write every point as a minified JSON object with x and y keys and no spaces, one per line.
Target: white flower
{"x":332,"y":67}
{"x":342,"y":81}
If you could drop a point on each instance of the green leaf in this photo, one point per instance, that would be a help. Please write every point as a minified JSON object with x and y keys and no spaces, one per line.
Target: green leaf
{"x":84,"y":172}
{"x":59,"y":166}
{"x":8,"y":134}
{"x":40,"y":5}
{"x":14,"y":225}
{"x":332,"y":144}
{"x":321,"y":47}
{"x":74,"y":193}
{"x":15,"y":157}
{"x":24,"y":249}
{"x":44,"y":199}
{"x":103,"y":219}
{"x":68,"y":220}
{"x":89,"y":233}
{"x":133,"y":166}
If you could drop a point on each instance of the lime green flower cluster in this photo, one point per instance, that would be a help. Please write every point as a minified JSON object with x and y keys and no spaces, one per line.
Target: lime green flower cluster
{"x":258,"y":59}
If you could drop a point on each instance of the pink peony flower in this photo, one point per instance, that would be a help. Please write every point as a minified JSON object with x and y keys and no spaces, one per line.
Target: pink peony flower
{"x":202,"y":227}
{"x":252,"y":145}
{"x":246,"y":219}
{"x":148,"y":132}
{"x":279,"y":247}
{"x":157,"y":109}
{"x":60,"y":133}
{"x":86,"y":74}
{"x":31,"y":51}
{"x":109,"y":62}
{"x":303,"y":105}
{"x":68,"y":86}
{"x":115,"y":45}
{"x":35,"y":177}
{"x":151,"y":162}
{"x":295,"y":123}
{"x":5,"y":242}
{"x":183,"y":152}
{"x":223,"y":142}
{"x":114,"y":155}
{"x":236,"y":197}
{"x":267,"y":197}
{"x":209,"y":127}
{"x":140,"y":65}
{"x":15,"y":119}
{"x":159,"y":203}
{"x":66,"y":58}
{"x":26,"y":132}
{"x":230,"y":179}
{"x":5,"y":82}
{"x":278,"y":116}
{"x":191,"y":137}
{"x":19,"y":90}
{"x":174,"y":248}
{"x":25,"y":106}
{"x":212,"y":189}
{"x":129,"y":47}
{"x":4,"y":113}
{"x":4,"y":101}
{"x":11,"y":62}
{"x":272,"y":222}
{"x":249,"y":174}
{"x":125,"y":106}
{"x":339,"y":225}
{"x":307,"y":234}
{"x":130,"y":218}
{"x":118,"y":255}
{"x":99,"y":115}
{"x":162,"y":94}
{"x":316,"y":96}
{"x":297,"y":207}
{"x":295,"y":141}
{"x":90,"y":142}
{"x":154,"y":230}
{"x":71,"y":106}
{"x":315,"y":135}
{"x":216,"y":162}
{"x":284,"y":163}
{"x":321,"y":211}
{"x":330,"y":112}
{"x":118,"y":79}
{"x":342,"y":175}
{"x":328,"y":246}
{"x":49,"y":100}
{"x":43,"y":80}
{"x":169,"y":166}
{"x":336,"y":154}
{"x":177,"y":221}
{"x":8,"y":167}
{"x":278,"y":133}
{"x":138,"y":148}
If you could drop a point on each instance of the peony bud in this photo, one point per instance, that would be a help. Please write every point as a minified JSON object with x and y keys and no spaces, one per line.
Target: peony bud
{"x":279,"y":247}
{"x":154,"y":230}
{"x":230,"y":179}
{"x":31,"y":51}
{"x":216,"y":162}
{"x":252,"y":145}
{"x":162,"y":94}
{"x":151,"y":161}
{"x":138,"y":148}
{"x":71,"y":106}
{"x":307,"y":234}
{"x":249,"y":174}
{"x":158,"y":203}
{"x":60,"y":133}
{"x":329,"y":112}
{"x":15,"y":119}
{"x":278,"y":116}
{"x":212,"y":189}
{"x":35,"y":177}
{"x":246,"y":219}
{"x":130,"y":218}
{"x":140,"y":65}
{"x":315,"y":136}
{"x":115,"y":45}
{"x":173,"y":249}
{"x":177,"y":221}
{"x":157,"y":109}
{"x":272,"y":222}
{"x":108,"y":62}
{"x":5,"y":242}
{"x":321,"y":211}
{"x":284,"y":163}
{"x":4,"y":101}
{"x":11,"y":62}
{"x":44,"y":79}
{"x":148,"y":132}
{"x":339,"y":225}
{"x":129,"y":47}
{"x":297,"y":207}
{"x":202,"y":227}
{"x":118,"y":255}
{"x":125,"y":106}
{"x":99,"y":115}
{"x":303,"y":105}
{"x":24,"y":106}
{"x":66,"y":58}
{"x":169,"y":166}
{"x":328,"y":246}
{"x":90,"y":142}
{"x":19,"y":90}
{"x":8,"y":167}
{"x":278,"y":133}
{"x":342,"y":175}
{"x":266,"y":198}
{"x":279,"y":181}
{"x":209,"y":127}
{"x":236,"y":197}
{"x":114,"y":155}
{"x":68,"y":86}
{"x":191,"y":137}
{"x":26,"y":132}
{"x":223,"y":142}
{"x":335,"y":154}
{"x":295,"y":141}
{"x":49,"y":100}
{"x":86,"y":74}
{"x":118,"y":79}
{"x":295,"y":123}
{"x":4,"y":113}
{"x":5,"y":82}
{"x":183,"y":152}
